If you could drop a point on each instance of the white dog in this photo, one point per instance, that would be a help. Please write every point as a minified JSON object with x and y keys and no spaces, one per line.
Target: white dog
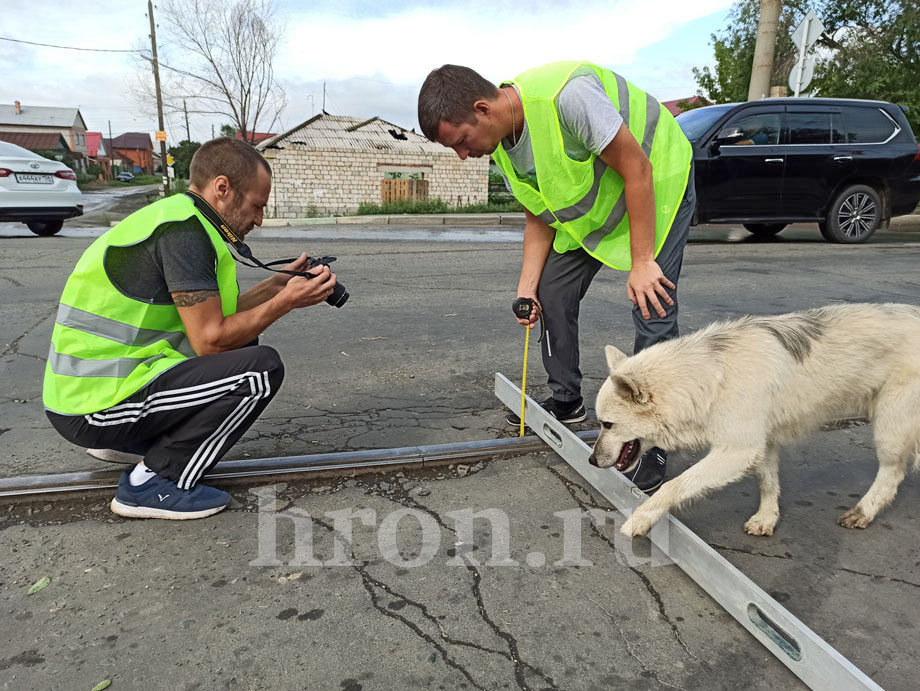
{"x":744,"y":388}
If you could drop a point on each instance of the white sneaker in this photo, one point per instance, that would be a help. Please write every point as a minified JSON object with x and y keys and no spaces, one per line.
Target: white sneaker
{"x":113,"y":456}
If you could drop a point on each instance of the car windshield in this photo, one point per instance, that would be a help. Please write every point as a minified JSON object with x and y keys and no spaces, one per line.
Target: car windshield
{"x":695,"y":122}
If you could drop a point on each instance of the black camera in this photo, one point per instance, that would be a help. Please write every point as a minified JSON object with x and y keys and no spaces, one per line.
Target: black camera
{"x":339,"y":294}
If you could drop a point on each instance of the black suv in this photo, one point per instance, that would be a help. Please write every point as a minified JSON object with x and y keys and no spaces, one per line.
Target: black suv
{"x":848,"y":164}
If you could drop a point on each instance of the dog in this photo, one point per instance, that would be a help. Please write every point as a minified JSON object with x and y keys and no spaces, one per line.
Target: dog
{"x":745,"y":388}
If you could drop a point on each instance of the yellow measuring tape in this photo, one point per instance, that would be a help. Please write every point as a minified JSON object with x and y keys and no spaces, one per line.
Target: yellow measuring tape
{"x":524,"y":377}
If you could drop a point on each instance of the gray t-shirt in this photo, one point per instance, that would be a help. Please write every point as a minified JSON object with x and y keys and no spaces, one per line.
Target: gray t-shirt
{"x":176,"y":257}
{"x":588,"y":119}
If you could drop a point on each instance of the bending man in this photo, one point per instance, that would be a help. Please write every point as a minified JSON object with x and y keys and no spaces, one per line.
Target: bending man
{"x":605,"y":177}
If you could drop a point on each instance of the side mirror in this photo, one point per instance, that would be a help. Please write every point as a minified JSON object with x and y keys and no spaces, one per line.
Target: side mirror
{"x":727,"y":135}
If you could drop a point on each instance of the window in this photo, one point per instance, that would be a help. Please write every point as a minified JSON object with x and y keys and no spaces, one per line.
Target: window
{"x":809,"y":128}
{"x":758,"y":129}
{"x":866,"y":125}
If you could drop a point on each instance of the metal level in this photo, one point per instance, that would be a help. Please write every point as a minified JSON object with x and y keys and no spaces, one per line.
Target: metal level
{"x":38,"y":486}
{"x":809,"y":657}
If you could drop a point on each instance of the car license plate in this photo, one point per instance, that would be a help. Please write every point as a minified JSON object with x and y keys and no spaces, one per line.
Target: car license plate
{"x":35,"y":178}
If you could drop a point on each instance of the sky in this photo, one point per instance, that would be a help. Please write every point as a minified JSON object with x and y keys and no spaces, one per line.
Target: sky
{"x":371,"y":56}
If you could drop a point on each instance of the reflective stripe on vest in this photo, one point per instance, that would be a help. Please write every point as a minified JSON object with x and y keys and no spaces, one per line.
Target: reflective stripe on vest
{"x":126,"y":334}
{"x":560,"y":177}
{"x":118,"y":368}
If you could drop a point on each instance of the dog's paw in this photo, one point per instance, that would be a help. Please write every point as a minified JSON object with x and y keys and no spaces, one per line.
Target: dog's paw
{"x":854,"y":518}
{"x":760,"y":525}
{"x":637,"y":525}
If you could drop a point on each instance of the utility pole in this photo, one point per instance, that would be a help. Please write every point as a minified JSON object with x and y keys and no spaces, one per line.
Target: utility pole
{"x":212,"y":130}
{"x":156,"y":82}
{"x":111,"y":151}
{"x":323,"y":111}
{"x":188,"y":133}
{"x":762,"y":67}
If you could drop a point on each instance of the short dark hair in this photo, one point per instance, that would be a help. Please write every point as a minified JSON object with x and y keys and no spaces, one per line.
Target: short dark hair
{"x":448,"y":95}
{"x":234,"y":158}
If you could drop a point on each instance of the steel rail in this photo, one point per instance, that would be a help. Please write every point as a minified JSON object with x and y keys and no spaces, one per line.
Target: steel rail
{"x":803,"y":651}
{"x":34,"y":487}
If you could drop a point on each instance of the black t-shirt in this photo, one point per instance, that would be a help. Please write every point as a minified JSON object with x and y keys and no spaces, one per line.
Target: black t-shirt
{"x":176,"y":257}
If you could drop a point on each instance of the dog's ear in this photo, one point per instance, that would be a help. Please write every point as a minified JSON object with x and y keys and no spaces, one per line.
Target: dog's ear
{"x":629,"y":389}
{"x":614,"y":356}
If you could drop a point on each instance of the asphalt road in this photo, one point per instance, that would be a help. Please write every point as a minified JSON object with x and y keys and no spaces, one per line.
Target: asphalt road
{"x":410,"y":360}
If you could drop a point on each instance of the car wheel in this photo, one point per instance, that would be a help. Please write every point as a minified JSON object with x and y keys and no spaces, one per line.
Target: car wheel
{"x":45,"y":228}
{"x":764,"y":230}
{"x":853,"y":217}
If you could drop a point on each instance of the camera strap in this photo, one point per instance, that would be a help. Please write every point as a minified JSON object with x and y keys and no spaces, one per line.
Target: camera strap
{"x":240,"y":247}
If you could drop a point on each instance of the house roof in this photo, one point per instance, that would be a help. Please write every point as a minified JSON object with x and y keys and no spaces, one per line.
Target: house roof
{"x":131,"y":140}
{"x":674,"y":108}
{"x":36,"y":141}
{"x":40,"y":116}
{"x":257,"y":137}
{"x":344,"y":132}
{"x":94,"y":145}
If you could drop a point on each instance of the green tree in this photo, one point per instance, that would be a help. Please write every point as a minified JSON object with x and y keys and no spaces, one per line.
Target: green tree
{"x":869,"y":49}
{"x":183,"y":154}
{"x":877,"y":59}
{"x":228,"y":131}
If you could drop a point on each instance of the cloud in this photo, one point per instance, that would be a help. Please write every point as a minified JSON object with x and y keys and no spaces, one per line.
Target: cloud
{"x":373,"y":56}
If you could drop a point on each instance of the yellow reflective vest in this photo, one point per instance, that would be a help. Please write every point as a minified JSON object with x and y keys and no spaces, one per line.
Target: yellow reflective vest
{"x":584,"y":201}
{"x":106,"y":346}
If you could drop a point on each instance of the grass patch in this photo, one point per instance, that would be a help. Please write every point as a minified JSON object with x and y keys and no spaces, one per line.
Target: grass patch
{"x":436,"y":206}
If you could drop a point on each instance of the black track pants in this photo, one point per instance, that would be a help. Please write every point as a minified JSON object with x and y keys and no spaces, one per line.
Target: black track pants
{"x":186,"y":419}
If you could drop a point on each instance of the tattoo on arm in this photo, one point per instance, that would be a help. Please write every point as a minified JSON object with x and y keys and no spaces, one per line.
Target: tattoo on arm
{"x":193,"y":297}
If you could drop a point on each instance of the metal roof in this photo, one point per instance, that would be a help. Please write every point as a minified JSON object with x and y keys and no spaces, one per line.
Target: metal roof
{"x":344,"y":132}
{"x":36,"y":141}
{"x":40,"y":116}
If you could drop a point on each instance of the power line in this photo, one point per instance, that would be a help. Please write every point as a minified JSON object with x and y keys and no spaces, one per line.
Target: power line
{"x":50,"y":45}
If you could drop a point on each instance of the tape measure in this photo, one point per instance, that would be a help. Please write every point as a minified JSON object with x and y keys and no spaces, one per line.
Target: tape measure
{"x":522,"y":307}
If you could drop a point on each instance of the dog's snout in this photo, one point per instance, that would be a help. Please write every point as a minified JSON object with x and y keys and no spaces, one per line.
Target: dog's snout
{"x":592,"y":459}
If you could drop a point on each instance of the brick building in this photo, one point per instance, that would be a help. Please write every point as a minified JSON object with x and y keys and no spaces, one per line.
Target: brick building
{"x":332,"y":163}
{"x":131,"y":151}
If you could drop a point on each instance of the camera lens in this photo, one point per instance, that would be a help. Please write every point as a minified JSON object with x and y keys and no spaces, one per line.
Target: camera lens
{"x":339,"y":296}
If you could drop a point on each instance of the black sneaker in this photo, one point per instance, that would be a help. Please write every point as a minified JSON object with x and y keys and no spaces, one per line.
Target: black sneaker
{"x":648,"y":472}
{"x":567,"y":412}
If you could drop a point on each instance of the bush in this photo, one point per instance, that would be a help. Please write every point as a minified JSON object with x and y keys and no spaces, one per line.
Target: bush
{"x":437,"y":206}
{"x":177,"y":186}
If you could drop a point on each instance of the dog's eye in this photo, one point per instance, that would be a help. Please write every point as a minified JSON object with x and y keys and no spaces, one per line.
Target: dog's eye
{"x":607,"y":425}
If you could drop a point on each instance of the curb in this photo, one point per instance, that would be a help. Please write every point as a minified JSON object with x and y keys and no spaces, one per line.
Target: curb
{"x":455,"y":220}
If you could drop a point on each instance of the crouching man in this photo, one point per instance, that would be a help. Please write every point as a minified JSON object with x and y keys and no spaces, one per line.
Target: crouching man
{"x":154,"y":350}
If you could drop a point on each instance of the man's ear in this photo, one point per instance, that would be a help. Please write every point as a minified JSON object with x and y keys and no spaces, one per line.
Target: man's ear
{"x":483,"y":107}
{"x":614,"y":356}
{"x":629,"y":389}
{"x":221,"y":187}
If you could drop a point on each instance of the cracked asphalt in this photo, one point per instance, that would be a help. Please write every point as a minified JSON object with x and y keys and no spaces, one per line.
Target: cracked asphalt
{"x":410,"y":360}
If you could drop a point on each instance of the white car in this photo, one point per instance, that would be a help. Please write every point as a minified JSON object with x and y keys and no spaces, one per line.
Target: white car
{"x":36,"y":191}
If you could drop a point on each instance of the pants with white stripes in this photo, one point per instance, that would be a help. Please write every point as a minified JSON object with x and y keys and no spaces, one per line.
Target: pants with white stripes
{"x":187,"y":418}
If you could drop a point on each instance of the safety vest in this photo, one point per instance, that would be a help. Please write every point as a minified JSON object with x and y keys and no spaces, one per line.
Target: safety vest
{"x":584,"y":200}
{"x":105,"y":346}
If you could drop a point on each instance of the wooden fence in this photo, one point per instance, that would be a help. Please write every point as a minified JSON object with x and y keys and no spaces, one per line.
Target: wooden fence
{"x":399,"y":190}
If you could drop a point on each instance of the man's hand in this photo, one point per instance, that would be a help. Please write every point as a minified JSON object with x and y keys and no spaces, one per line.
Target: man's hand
{"x":645,"y":285}
{"x":300,"y":264}
{"x":303,"y":292}
{"x":535,"y":311}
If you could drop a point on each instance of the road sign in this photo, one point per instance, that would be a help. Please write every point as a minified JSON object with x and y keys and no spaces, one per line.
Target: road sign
{"x":161,"y":136}
{"x":809,"y":30}
{"x":806,"y":34}
{"x":801,"y":74}
{"x":169,"y":159}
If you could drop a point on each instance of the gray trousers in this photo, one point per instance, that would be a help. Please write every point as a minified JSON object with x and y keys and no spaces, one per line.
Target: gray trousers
{"x":564,"y":282}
